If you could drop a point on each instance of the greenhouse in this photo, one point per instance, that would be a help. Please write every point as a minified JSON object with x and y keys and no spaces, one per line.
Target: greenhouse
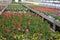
{"x":29,"y":20}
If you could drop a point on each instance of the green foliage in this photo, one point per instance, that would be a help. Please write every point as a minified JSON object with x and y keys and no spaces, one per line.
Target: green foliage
{"x":24,"y":26}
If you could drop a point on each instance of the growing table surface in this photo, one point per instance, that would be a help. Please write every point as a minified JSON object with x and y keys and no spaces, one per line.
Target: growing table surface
{"x":47,"y":11}
{"x":17,"y":25}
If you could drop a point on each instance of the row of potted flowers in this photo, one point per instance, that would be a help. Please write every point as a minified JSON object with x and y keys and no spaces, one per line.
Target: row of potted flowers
{"x":47,"y":11}
{"x":16,"y":7}
{"x":25,"y":26}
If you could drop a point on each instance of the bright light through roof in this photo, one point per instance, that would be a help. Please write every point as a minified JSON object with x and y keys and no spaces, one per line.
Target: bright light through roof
{"x":16,"y":0}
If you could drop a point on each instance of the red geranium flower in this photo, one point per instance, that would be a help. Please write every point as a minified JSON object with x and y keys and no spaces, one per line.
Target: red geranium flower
{"x":20,"y":15}
{"x":37,"y":33}
{"x":14,"y":28}
{"x":8,"y":30}
{"x":18,"y":28}
{"x":27,"y":14}
{"x":7,"y":15}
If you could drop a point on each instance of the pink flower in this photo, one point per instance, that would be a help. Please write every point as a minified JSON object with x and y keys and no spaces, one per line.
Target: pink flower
{"x":18,"y":28}
{"x":27,"y":30}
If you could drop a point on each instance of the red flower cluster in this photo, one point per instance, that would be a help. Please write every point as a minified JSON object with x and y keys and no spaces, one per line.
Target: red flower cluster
{"x":8,"y":30}
{"x":37,"y":33}
{"x":27,"y":14}
{"x":8,"y":14}
{"x":12,"y":13}
{"x":19,"y":26}
{"x":14,"y":27}
{"x":47,"y":9}
{"x":19,"y":14}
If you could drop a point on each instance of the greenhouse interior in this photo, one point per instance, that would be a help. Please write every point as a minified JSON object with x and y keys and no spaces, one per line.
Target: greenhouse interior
{"x":29,"y":19}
